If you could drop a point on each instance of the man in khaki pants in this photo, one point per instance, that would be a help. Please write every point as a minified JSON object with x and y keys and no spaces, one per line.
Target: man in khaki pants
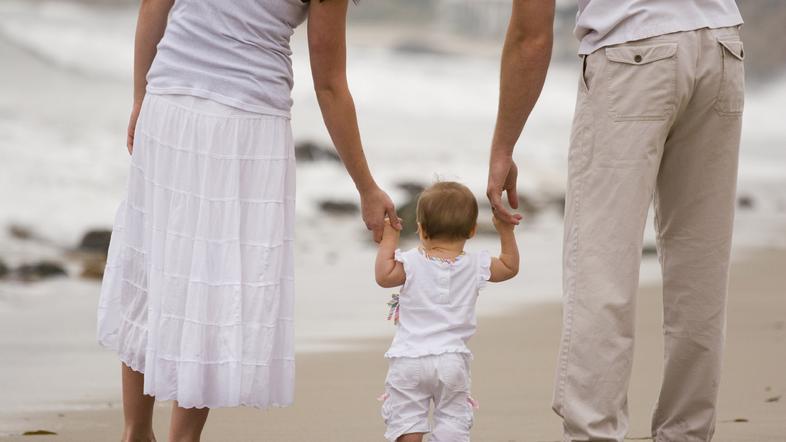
{"x":658,"y":117}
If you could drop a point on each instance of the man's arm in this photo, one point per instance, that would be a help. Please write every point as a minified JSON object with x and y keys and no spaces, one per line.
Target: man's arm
{"x":525,"y":60}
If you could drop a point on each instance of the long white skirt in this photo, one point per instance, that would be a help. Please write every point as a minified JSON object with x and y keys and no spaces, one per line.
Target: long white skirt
{"x":198,"y":292}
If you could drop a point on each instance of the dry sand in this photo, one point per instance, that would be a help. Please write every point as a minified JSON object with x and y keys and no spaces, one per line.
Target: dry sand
{"x":515,"y":357}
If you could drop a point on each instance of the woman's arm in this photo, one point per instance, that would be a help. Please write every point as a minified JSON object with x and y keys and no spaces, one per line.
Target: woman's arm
{"x":506,"y":266}
{"x":150,"y":28}
{"x":388,"y":271}
{"x":327,"y":49}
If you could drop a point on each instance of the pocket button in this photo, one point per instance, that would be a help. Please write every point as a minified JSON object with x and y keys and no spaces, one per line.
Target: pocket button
{"x":637,"y":58}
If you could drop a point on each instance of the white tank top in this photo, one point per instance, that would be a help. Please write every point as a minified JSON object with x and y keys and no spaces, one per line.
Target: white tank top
{"x":602,"y":23}
{"x":437,"y":303}
{"x":235,"y":52}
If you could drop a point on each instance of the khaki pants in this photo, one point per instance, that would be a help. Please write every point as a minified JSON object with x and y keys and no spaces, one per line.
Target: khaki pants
{"x":657,"y":118}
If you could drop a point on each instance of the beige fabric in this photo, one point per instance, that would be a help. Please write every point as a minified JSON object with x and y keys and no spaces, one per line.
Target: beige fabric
{"x":655,"y":118}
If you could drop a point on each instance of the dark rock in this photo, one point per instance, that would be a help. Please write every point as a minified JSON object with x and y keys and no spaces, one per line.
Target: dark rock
{"x":339,"y":207}
{"x":40,"y":270}
{"x":745,"y":202}
{"x":21,"y":232}
{"x":409,"y":217}
{"x":4,"y":270}
{"x":419,"y":47}
{"x":412,"y":188}
{"x":527,"y":204}
{"x":558,"y":203}
{"x":649,"y":250}
{"x":96,"y":241}
{"x":39,"y":433}
{"x":93,"y":267}
{"x":310,"y":151}
{"x":773,"y":399}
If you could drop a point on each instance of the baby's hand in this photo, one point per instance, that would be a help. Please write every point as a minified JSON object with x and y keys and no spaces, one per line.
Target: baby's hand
{"x":502,"y":226}
{"x":390,"y":230}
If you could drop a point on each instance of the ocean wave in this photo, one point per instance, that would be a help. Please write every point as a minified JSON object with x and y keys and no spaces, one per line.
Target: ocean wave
{"x":92,"y":40}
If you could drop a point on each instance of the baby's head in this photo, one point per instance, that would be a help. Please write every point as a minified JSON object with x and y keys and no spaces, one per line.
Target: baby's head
{"x":447,"y":211}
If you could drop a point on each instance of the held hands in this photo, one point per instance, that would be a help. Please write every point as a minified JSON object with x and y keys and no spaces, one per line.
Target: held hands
{"x":375,"y":206}
{"x":391,"y":234}
{"x":502,"y":226}
{"x":503,"y":173}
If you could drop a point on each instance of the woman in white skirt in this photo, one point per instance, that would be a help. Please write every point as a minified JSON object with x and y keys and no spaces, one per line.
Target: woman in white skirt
{"x":197,"y":298}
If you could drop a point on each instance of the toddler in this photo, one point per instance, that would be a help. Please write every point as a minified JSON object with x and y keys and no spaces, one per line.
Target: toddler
{"x":435,"y":312}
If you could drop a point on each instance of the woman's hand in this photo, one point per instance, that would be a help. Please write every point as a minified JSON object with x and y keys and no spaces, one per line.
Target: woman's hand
{"x":375,"y":206}
{"x":503,"y":173}
{"x":132,"y":127}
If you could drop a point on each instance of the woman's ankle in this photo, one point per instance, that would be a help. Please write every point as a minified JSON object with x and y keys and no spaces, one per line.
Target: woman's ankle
{"x":185,"y":437}
{"x":138,"y":433}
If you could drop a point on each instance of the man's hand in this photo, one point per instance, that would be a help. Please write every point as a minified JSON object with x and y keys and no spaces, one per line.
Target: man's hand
{"x":375,"y":206}
{"x":502,"y":178}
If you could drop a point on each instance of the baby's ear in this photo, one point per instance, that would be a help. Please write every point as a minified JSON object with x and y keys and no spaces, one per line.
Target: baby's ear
{"x":473,"y":231}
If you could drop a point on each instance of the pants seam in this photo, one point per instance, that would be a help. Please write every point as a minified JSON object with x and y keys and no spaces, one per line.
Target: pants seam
{"x":571,"y":290}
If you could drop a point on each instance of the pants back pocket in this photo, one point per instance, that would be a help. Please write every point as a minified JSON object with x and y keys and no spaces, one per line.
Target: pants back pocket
{"x":731,"y":95}
{"x":642,"y":81}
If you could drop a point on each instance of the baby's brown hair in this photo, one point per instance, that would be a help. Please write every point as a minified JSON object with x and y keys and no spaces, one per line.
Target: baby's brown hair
{"x":447,"y":210}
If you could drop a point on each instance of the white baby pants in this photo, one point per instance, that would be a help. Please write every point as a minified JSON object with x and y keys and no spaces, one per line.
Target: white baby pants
{"x":411,"y":386}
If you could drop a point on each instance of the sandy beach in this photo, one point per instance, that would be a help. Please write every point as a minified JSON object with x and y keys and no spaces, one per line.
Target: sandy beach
{"x":514,"y":363}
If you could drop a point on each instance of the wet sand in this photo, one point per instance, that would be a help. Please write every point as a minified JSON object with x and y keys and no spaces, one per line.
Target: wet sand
{"x":515,"y":359}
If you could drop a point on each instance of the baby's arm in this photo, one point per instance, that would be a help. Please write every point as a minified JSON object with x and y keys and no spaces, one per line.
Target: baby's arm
{"x":389,"y":272}
{"x":506,"y":266}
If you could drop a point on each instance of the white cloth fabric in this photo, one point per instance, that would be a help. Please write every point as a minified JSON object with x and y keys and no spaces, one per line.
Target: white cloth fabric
{"x":413,"y":383}
{"x":601,"y":23}
{"x":437,"y":303}
{"x":233,"y":52}
{"x":198,"y":288}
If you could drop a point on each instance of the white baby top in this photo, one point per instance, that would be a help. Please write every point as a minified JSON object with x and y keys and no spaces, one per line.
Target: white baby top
{"x":234,"y":52}
{"x":602,"y":23}
{"x":437,"y":303}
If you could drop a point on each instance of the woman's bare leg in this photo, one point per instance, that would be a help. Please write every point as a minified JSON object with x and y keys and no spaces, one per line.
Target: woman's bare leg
{"x":411,"y":437}
{"x":137,"y":408}
{"x":187,"y":423}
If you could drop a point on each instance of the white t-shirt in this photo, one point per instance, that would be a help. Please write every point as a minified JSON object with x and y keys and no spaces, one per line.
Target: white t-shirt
{"x":234,"y":52}
{"x":437,"y":303}
{"x":602,"y":23}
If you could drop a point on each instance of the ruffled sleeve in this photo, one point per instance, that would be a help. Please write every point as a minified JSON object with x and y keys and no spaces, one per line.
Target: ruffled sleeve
{"x":401,"y":257}
{"x":484,"y":268}
{"x":404,"y":258}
